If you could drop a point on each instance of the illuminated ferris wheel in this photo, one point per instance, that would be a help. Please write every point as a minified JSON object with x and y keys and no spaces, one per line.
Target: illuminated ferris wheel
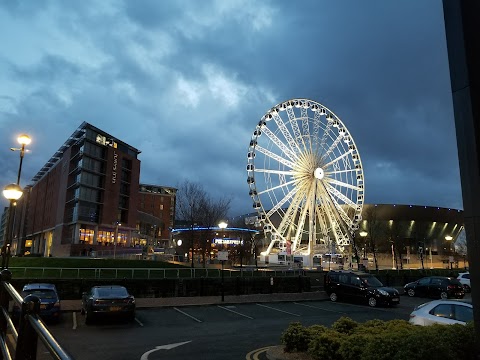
{"x":306,"y":178}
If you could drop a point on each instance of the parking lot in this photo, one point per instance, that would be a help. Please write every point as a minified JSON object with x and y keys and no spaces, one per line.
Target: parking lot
{"x":207,"y":332}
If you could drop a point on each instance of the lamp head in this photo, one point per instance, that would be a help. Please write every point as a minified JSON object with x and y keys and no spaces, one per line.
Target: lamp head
{"x":24,"y":139}
{"x":12,"y":192}
{"x":222,"y":225}
{"x":363,"y":233}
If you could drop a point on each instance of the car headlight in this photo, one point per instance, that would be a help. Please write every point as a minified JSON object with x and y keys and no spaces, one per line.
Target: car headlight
{"x":383,"y":292}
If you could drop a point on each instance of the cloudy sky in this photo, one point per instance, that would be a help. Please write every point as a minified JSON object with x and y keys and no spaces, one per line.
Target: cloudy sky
{"x":186,"y":82}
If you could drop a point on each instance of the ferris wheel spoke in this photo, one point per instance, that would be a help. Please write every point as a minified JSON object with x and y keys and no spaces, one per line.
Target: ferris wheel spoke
{"x":331,"y":148}
{"x":285,"y":149}
{"x":342,"y":220}
{"x":279,"y":205}
{"x":274,"y":156}
{"x":269,"y":190}
{"x":344,"y":171}
{"x":342,"y":184}
{"x":277,"y":172}
{"x":317,"y":123}
{"x":300,"y":227}
{"x":346,"y":200}
{"x":306,"y":129}
{"x":336,"y":160}
{"x":290,"y":213}
{"x":290,"y":140}
{"x":296,"y":130}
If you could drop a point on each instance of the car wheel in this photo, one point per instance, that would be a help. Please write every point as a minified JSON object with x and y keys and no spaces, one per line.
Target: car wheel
{"x":443,"y":295}
{"x":88,"y":317}
{"x":333,"y":297}
{"x":131,"y":316}
{"x":411,"y":292}
{"x":372,"y":302}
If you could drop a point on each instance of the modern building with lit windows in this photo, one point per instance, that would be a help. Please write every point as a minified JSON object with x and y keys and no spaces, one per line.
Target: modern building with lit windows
{"x":402,"y":236}
{"x":87,"y":195}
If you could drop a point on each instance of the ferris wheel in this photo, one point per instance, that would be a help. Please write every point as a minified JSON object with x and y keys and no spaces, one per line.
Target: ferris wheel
{"x":305,"y":178}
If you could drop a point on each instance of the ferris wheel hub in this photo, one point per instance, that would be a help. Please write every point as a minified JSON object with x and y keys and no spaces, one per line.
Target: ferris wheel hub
{"x":318,"y":173}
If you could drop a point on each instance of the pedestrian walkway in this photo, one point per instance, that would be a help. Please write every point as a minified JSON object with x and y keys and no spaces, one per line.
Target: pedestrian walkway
{"x":144,"y":303}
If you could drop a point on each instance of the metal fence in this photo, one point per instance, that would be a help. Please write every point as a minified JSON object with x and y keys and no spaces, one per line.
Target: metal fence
{"x":144,"y":273}
{"x":20,"y":342}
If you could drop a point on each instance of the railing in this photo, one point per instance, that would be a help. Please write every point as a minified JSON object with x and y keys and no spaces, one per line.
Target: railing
{"x":24,"y":339}
{"x":143,"y":273}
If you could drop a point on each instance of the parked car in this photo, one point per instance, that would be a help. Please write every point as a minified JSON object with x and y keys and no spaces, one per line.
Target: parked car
{"x":50,"y":309}
{"x":442,"y":312}
{"x":464,"y":279}
{"x":358,"y":286}
{"x":108,"y":300}
{"x":442,"y":287}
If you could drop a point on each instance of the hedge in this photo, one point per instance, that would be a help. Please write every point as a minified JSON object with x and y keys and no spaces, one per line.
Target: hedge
{"x":380,"y":340}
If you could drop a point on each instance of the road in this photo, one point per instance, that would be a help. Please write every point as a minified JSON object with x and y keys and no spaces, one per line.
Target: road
{"x":206,"y":332}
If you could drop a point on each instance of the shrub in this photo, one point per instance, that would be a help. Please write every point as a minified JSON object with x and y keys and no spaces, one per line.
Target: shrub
{"x":381,"y":340}
{"x":326,"y":345}
{"x":297,"y":337}
{"x":344,"y":325}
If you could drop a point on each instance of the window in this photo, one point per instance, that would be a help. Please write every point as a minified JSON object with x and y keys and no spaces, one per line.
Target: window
{"x":424,"y":281}
{"x":86,"y":236}
{"x":442,"y":310}
{"x":463,"y":313}
{"x":355,"y":281}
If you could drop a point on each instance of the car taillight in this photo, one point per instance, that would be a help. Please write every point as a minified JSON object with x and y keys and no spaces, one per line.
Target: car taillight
{"x":450,"y":287}
{"x":412,"y":316}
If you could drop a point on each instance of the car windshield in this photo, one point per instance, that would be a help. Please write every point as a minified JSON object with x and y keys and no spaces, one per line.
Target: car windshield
{"x":371,"y":281}
{"x":42,"y":293}
{"x":111,"y":292}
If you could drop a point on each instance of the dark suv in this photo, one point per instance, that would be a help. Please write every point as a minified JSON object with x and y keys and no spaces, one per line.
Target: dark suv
{"x":358,"y":286}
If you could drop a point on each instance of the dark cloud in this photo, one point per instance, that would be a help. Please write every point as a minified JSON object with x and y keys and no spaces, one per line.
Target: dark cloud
{"x":186,"y":82}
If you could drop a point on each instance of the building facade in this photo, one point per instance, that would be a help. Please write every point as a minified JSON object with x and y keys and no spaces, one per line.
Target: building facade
{"x":84,"y":199}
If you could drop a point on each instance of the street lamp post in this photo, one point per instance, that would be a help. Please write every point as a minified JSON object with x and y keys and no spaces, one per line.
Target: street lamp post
{"x":223,"y":256}
{"x":450,"y":257}
{"x":364,"y":234}
{"x":117,"y":224}
{"x":12,"y":193}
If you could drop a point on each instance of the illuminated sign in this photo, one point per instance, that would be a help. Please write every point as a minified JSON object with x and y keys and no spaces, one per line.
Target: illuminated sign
{"x":228,"y":241}
{"x":114,"y":169}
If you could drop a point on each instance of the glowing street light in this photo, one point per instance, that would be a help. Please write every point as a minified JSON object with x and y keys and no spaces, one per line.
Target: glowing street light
{"x":13,"y":192}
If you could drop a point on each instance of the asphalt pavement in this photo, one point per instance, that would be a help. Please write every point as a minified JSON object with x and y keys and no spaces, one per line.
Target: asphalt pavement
{"x":143,"y":303}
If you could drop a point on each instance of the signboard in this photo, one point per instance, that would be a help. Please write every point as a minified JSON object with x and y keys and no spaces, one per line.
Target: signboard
{"x":222,"y":255}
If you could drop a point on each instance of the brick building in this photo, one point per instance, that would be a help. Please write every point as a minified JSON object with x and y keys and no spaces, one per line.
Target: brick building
{"x":86,"y":195}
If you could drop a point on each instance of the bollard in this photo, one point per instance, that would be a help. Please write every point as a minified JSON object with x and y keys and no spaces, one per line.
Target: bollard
{"x":27,"y":336}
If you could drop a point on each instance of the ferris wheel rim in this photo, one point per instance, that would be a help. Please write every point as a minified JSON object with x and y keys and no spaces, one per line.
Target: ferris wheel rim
{"x":318,"y":173}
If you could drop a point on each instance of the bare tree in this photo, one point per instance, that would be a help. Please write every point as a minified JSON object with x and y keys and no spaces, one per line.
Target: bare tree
{"x":212,"y":212}
{"x":190,"y":201}
{"x":197,"y":208}
{"x":372,"y":227}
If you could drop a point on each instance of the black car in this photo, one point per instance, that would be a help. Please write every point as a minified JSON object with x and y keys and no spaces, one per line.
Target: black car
{"x":50,"y":309}
{"x":359,"y":286}
{"x":437,"y":287}
{"x":109,"y":300}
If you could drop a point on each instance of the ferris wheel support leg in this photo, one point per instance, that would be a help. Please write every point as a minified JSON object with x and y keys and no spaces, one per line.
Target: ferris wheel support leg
{"x":270,"y":247}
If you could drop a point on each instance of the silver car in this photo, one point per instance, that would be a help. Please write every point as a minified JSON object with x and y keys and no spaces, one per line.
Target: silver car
{"x":464,"y":279}
{"x":445,"y":312}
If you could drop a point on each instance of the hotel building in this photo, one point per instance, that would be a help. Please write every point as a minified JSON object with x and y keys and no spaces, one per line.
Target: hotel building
{"x":87,"y":195}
